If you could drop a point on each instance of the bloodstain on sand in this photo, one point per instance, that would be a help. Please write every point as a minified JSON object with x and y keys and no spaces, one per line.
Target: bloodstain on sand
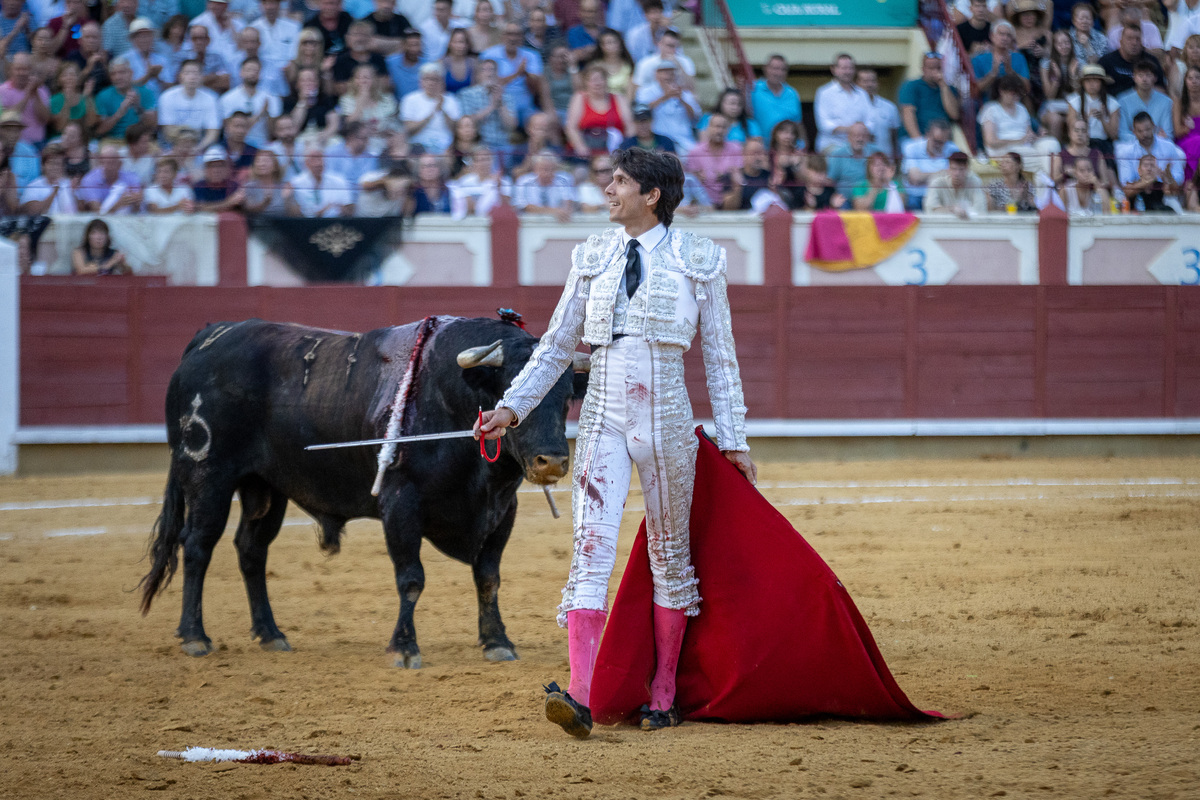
{"x":1064,"y":627}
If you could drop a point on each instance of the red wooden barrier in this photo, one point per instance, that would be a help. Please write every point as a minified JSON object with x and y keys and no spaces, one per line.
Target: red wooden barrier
{"x":102,"y":352}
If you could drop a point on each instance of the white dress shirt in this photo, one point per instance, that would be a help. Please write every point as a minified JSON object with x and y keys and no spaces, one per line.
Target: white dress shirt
{"x":834,"y":107}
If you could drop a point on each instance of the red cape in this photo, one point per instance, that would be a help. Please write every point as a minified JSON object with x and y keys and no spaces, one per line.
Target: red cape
{"x":778,"y":638}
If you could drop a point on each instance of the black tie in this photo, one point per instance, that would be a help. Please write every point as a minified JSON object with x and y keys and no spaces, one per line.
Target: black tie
{"x":633,"y":268}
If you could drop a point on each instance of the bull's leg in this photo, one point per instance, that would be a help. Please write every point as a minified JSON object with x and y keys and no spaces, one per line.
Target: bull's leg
{"x":262,"y":514}
{"x":402,"y":531}
{"x":486,"y":569}
{"x":207,"y":515}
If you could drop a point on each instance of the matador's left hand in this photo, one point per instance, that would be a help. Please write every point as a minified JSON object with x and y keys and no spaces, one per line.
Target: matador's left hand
{"x":744,"y":464}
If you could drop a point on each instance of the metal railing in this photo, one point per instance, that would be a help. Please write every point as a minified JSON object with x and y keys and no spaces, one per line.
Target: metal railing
{"x":941,"y":33}
{"x":722,"y":46}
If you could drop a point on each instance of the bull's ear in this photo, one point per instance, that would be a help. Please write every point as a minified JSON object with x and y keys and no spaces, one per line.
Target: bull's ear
{"x":487,"y":355}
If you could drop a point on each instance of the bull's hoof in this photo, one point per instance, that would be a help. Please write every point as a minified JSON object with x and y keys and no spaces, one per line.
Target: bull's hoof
{"x":405,"y":661}
{"x":500,"y":653}
{"x":196,"y":648}
{"x":279,"y":645}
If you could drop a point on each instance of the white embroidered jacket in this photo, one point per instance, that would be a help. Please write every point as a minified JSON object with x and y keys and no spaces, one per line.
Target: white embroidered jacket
{"x":683,"y":289}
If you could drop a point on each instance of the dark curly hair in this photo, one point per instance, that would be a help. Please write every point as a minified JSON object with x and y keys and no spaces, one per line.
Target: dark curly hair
{"x":654,"y":170}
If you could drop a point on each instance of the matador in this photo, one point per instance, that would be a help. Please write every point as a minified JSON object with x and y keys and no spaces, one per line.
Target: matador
{"x":637,"y":294}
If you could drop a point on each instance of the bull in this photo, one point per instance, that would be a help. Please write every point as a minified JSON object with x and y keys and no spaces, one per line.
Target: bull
{"x":248,"y":397}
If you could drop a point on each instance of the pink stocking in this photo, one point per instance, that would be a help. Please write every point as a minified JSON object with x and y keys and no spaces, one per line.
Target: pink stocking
{"x":669,"y":627}
{"x":584,"y":629}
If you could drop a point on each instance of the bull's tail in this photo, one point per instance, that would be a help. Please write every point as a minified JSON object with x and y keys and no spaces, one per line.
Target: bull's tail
{"x":164,"y":543}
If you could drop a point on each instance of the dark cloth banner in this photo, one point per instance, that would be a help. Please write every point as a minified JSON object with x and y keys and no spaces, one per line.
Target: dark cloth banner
{"x":340,"y":250}
{"x":778,"y":638}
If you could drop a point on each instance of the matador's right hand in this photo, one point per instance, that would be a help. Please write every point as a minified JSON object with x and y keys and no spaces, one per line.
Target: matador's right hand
{"x":492,"y":424}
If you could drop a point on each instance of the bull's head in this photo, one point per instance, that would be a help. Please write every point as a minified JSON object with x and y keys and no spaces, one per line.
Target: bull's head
{"x":538,"y":443}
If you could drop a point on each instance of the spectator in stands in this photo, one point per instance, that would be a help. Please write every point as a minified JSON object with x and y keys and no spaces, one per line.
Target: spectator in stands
{"x":818,"y":191}
{"x":927,"y":98}
{"x":925,"y":158}
{"x":583,"y":38}
{"x":114,"y":33}
{"x":848,"y":162}
{"x":252,"y":99}
{"x":695,"y":198}
{"x":266,"y":192}
{"x":643,"y":136}
{"x":1007,"y":127}
{"x":623,"y":15}
{"x":72,"y":103}
{"x":1187,"y":121}
{"x":165,"y":196}
{"x":545,"y":190}
{"x":884,"y":121}
{"x":22,"y":157}
{"x":189,"y":105}
{"x":1031,"y":29}
{"x":430,"y":193}
{"x":674,"y":108}
{"x":107,"y":188}
{"x":1132,"y":16}
{"x":1147,"y":142}
{"x":91,"y":58}
{"x":15,"y":23}
{"x":458,"y":61}
{"x":1090,"y":45}
{"x":213,"y":67}
{"x":1144,"y":97}
{"x":95,"y":254}
{"x":67,"y":28}
{"x":773,"y":101}
{"x":732,"y":105}
{"x":358,"y":53}
{"x":42,"y":59}
{"x":332,"y":22}
{"x":1152,"y":188}
{"x":385,"y":192}
{"x":484,"y":103}
{"x":1059,"y":73}
{"x":616,"y":62}
{"x":74,"y":144}
{"x":140,"y":152}
{"x":1012,"y":191}
{"x":429,"y":113}
{"x":590,"y":194}
{"x":1084,"y":194}
{"x":483,"y":32}
{"x":975,"y":31}
{"x":287,"y":148}
{"x":387,"y":27}
{"x":520,"y":71}
{"x":560,"y":81}
{"x":310,"y":107}
{"x":123,"y":105}
{"x":237,"y":150}
{"x":1097,"y":107}
{"x":404,"y":67}
{"x":480,"y":188}
{"x":435,"y":31}
{"x":753,"y":175}
{"x":999,"y":60}
{"x":714,"y":159}
{"x":542,"y":134}
{"x":596,"y":115}
{"x":366,"y":104}
{"x":173,"y":48}
{"x":317,"y":192}
{"x":466,"y":139}
{"x":309,"y":55}
{"x":880,"y":191}
{"x":217,"y":191}
{"x":1119,"y":63}
{"x":222,"y":28}
{"x":53,"y":192}
{"x":642,"y":40}
{"x":1192,"y":193}
{"x":957,"y":191}
{"x":839,"y":104}
{"x":24,"y":94}
{"x":784,"y":148}
{"x":1079,"y":148}
{"x":540,"y":35}
{"x":149,"y":67}
{"x":668,"y":50}
{"x":277,"y":35}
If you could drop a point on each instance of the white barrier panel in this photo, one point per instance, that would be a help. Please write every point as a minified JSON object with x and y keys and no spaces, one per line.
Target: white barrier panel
{"x":183,"y":247}
{"x":993,"y":249}
{"x":431,"y":250}
{"x":1134,"y":249}
{"x":10,"y":356}
{"x":546,"y":244}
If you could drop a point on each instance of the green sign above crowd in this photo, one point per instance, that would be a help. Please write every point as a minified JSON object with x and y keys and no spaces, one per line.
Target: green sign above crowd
{"x":839,"y":13}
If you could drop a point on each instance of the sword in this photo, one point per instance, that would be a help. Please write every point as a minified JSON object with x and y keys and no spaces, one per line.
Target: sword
{"x":422,"y":437}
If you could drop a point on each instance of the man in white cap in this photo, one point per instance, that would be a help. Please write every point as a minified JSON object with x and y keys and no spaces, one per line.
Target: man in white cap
{"x":115,"y":30}
{"x":147,"y":66}
{"x":222,"y":27}
{"x":673,"y":108}
{"x":218,"y":191}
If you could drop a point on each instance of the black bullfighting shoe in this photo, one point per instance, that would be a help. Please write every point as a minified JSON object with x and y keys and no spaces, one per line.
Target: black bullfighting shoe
{"x":562,"y":709}
{"x":657,"y":720}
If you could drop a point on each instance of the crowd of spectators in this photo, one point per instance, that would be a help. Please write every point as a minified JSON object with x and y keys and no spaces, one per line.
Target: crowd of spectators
{"x":327,"y":108}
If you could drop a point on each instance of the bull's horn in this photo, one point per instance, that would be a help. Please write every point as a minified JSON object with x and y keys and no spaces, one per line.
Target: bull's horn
{"x":581,"y":362}
{"x":486,"y":355}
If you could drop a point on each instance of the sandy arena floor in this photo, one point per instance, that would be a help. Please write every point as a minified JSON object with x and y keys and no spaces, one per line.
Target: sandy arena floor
{"x":1054,"y":603}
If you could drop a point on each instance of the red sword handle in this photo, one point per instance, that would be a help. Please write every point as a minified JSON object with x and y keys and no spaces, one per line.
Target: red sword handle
{"x":483,"y":444}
